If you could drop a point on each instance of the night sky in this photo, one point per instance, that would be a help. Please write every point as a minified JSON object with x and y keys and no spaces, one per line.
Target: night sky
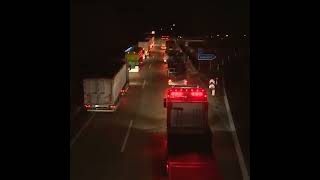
{"x":100,"y":29}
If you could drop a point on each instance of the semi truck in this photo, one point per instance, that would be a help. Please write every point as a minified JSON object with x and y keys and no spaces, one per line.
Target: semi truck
{"x":189,"y":150}
{"x":103,"y":86}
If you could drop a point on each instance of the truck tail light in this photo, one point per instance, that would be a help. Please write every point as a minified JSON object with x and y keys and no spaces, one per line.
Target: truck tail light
{"x":176,"y":94}
{"x":197,"y":94}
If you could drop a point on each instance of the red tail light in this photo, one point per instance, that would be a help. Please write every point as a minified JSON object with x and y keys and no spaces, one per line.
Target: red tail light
{"x":197,"y":94}
{"x":87,"y":106}
{"x":192,"y":94}
{"x":112,"y":106}
{"x":176,"y":94}
{"x":169,"y":81}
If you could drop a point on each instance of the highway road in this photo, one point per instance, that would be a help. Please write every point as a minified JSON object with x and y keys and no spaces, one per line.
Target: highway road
{"x":131,"y":142}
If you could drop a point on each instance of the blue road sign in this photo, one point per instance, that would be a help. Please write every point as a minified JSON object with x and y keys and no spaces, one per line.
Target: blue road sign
{"x":206,"y":57}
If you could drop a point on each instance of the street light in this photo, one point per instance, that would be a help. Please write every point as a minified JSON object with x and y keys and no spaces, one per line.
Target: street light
{"x":227,"y":35}
{"x":218,"y":35}
{"x":171,"y":29}
{"x":173,"y":25}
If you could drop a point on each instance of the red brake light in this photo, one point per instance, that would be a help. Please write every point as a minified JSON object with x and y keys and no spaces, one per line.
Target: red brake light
{"x":191,"y":94}
{"x":176,"y":94}
{"x":197,"y":94}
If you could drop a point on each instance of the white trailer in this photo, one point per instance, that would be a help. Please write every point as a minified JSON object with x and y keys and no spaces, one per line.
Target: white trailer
{"x":102,"y":92}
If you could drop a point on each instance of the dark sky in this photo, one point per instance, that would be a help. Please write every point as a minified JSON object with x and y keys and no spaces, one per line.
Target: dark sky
{"x":100,"y":28}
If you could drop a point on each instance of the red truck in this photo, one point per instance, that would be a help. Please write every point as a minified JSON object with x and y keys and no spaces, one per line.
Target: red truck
{"x":189,"y":155}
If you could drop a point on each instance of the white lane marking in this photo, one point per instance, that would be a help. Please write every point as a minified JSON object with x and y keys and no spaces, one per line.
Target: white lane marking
{"x":243,"y":167}
{"x":144,"y":83}
{"x":80,"y":131}
{"x":150,"y":66}
{"x":126,"y":138}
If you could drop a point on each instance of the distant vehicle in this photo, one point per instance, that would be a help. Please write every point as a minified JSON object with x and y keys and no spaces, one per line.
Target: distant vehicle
{"x":103,"y":89}
{"x":171,"y":45}
{"x":189,"y":154}
{"x":165,"y":37}
{"x":177,"y":71}
{"x":176,"y":77}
